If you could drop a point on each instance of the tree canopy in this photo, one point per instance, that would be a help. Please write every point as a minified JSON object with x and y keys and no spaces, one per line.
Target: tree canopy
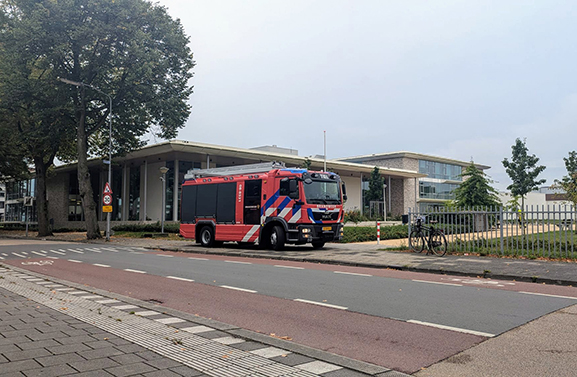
{"x":130,"y":50}
{"x":476,"y":189}
{"x":569,"y":182}
{"x":523,"y":170}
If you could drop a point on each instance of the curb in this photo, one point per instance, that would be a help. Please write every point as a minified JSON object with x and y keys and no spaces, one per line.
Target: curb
{"x":441,"y":271}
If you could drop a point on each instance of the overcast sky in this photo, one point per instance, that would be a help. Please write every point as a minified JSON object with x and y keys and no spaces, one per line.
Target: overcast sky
{"x":457,"y":79}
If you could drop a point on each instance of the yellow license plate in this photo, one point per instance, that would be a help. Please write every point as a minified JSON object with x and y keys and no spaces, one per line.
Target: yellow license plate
{"x":329,"y":228}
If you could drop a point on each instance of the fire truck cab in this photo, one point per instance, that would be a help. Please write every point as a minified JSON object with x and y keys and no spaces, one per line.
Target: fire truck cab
{"x":267,"y":204}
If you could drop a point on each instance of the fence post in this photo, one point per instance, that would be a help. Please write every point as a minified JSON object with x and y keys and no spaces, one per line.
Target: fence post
{"x":378,"y":233}
{"x":409,"y":223}
{"x":501,"y":228}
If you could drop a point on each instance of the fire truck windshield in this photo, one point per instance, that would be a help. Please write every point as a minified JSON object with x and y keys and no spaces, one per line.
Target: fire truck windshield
{"x":323,"y":192}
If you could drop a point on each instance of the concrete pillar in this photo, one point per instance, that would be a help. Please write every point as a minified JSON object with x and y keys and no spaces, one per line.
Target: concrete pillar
{"x":175,"y":191}
{"x":144,"y":191}
{"x":125,"y":191}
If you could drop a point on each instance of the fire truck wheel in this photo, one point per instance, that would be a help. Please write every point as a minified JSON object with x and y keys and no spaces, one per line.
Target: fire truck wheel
{"x":207,"y":236}
{"x":318,"y":244}
{"x":277,"y":238}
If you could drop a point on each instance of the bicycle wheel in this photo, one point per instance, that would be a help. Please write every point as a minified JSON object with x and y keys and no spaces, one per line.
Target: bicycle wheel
{"x":438,"y":243}
{"x":416,"y":241}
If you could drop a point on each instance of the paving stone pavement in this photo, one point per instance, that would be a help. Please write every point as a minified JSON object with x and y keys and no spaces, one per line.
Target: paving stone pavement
{"x":48,"y":328}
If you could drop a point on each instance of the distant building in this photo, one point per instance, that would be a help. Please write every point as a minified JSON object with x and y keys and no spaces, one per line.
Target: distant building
{"x":14,"y":208}
{"x":539,"y":199}
{"x":439,"y":177}
{"x":2,"y":201}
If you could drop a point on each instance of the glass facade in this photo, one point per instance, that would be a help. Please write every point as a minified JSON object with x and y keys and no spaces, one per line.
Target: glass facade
{"x":435,"y":190}
{"x":440,"y":170}
{"x":17,"y":211}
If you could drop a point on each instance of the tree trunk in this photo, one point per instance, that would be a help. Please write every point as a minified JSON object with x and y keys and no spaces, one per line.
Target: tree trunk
{"x":84,"y":183}
{"x":41,"y":202}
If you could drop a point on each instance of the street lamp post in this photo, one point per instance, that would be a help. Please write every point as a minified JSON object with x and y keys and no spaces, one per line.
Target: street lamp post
{"x":76,"y":83}
{"x":163,"y":171}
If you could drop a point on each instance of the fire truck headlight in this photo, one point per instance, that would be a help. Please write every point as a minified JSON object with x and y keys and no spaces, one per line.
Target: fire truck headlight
{"x":306,"y":230}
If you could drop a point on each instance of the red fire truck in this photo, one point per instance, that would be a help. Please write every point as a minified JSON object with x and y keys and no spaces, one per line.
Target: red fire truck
{"x":265,"y":203}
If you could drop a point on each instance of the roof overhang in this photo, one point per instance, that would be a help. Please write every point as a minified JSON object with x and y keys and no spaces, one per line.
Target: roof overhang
{"x":404,"y":154}
{"x":167,"y":150}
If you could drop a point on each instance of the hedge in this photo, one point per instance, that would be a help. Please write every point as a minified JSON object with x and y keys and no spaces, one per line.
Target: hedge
{"x":369,"y":233}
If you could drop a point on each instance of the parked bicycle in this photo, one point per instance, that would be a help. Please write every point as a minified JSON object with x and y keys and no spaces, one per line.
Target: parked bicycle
{"x":432,"y":238}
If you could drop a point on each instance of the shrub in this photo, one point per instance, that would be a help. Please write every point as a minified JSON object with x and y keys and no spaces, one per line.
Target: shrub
{"x":369,"y":233}
{"x":171,"y":227}
{"x":355,"y":216}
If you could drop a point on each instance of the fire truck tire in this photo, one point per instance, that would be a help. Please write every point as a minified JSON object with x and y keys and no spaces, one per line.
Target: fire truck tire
{"x":318,"y":244}
{"x":277,"y":238}
{"x":207,"y":236}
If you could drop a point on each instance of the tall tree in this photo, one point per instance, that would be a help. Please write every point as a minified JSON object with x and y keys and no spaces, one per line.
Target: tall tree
{"x":569,"y":182}
{"x":523,"y":171}
{"x":131,"y":50}
{"x":476,"y":189}
{"x":30,"y":107}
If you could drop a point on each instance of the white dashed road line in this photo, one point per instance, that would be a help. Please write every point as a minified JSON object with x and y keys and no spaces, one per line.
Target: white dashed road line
{"x":37,"y":253}
{"x":197,"y":258}
{"x":238,"y":289}
{"x":164,"y":255}
{"x":19,"y":255}
{"x":351,"y":273}
{"x":547,"y":295}
{"x":293,"y":267}
{"x":76,"y":251}
{"x":137,"y":271}
{"x":57,"y":252}
{"x":437,"y":282}
{"x":74,"y":260}
{"x":178,"y":278}
{"x":321,"y":304}
{"x":237,"y":262}
{"x":100,"y":265}
{"x":457,"y":329}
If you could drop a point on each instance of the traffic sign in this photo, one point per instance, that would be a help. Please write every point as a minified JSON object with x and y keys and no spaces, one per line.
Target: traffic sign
{"x":106,"y":208}
{"x":107,"y":199}
{"x":107,"y":189}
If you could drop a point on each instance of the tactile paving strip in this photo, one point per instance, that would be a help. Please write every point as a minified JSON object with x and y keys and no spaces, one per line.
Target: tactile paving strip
{"x":205,"y":355}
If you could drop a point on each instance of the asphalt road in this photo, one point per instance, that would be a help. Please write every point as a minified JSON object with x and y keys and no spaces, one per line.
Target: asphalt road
{"x":402,"y":323}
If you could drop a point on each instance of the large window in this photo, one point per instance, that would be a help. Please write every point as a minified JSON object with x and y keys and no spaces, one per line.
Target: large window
{"x":75,"y":212}
{"x":134,"y":194}
{"x":183,"y":168}
{"x":439,"y":170}
{"x":435,"y":190}
{"x":20,"y":189}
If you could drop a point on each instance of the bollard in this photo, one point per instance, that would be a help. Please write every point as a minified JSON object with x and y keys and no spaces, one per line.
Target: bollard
{"x":378,"y":233}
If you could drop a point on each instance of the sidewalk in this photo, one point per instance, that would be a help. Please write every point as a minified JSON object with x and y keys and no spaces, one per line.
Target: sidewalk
{"x":50,"y":327}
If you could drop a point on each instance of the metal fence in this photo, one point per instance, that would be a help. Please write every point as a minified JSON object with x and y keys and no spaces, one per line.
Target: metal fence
{"x":532,"y":232}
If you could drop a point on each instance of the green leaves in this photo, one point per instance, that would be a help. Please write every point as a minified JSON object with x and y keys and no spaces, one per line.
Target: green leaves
{"x":475,"y":189}
{"x":523,"y":170}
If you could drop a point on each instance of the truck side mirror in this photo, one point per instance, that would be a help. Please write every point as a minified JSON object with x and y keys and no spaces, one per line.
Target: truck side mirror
{"x":293,"y":189}
{"x":344,"y":192}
